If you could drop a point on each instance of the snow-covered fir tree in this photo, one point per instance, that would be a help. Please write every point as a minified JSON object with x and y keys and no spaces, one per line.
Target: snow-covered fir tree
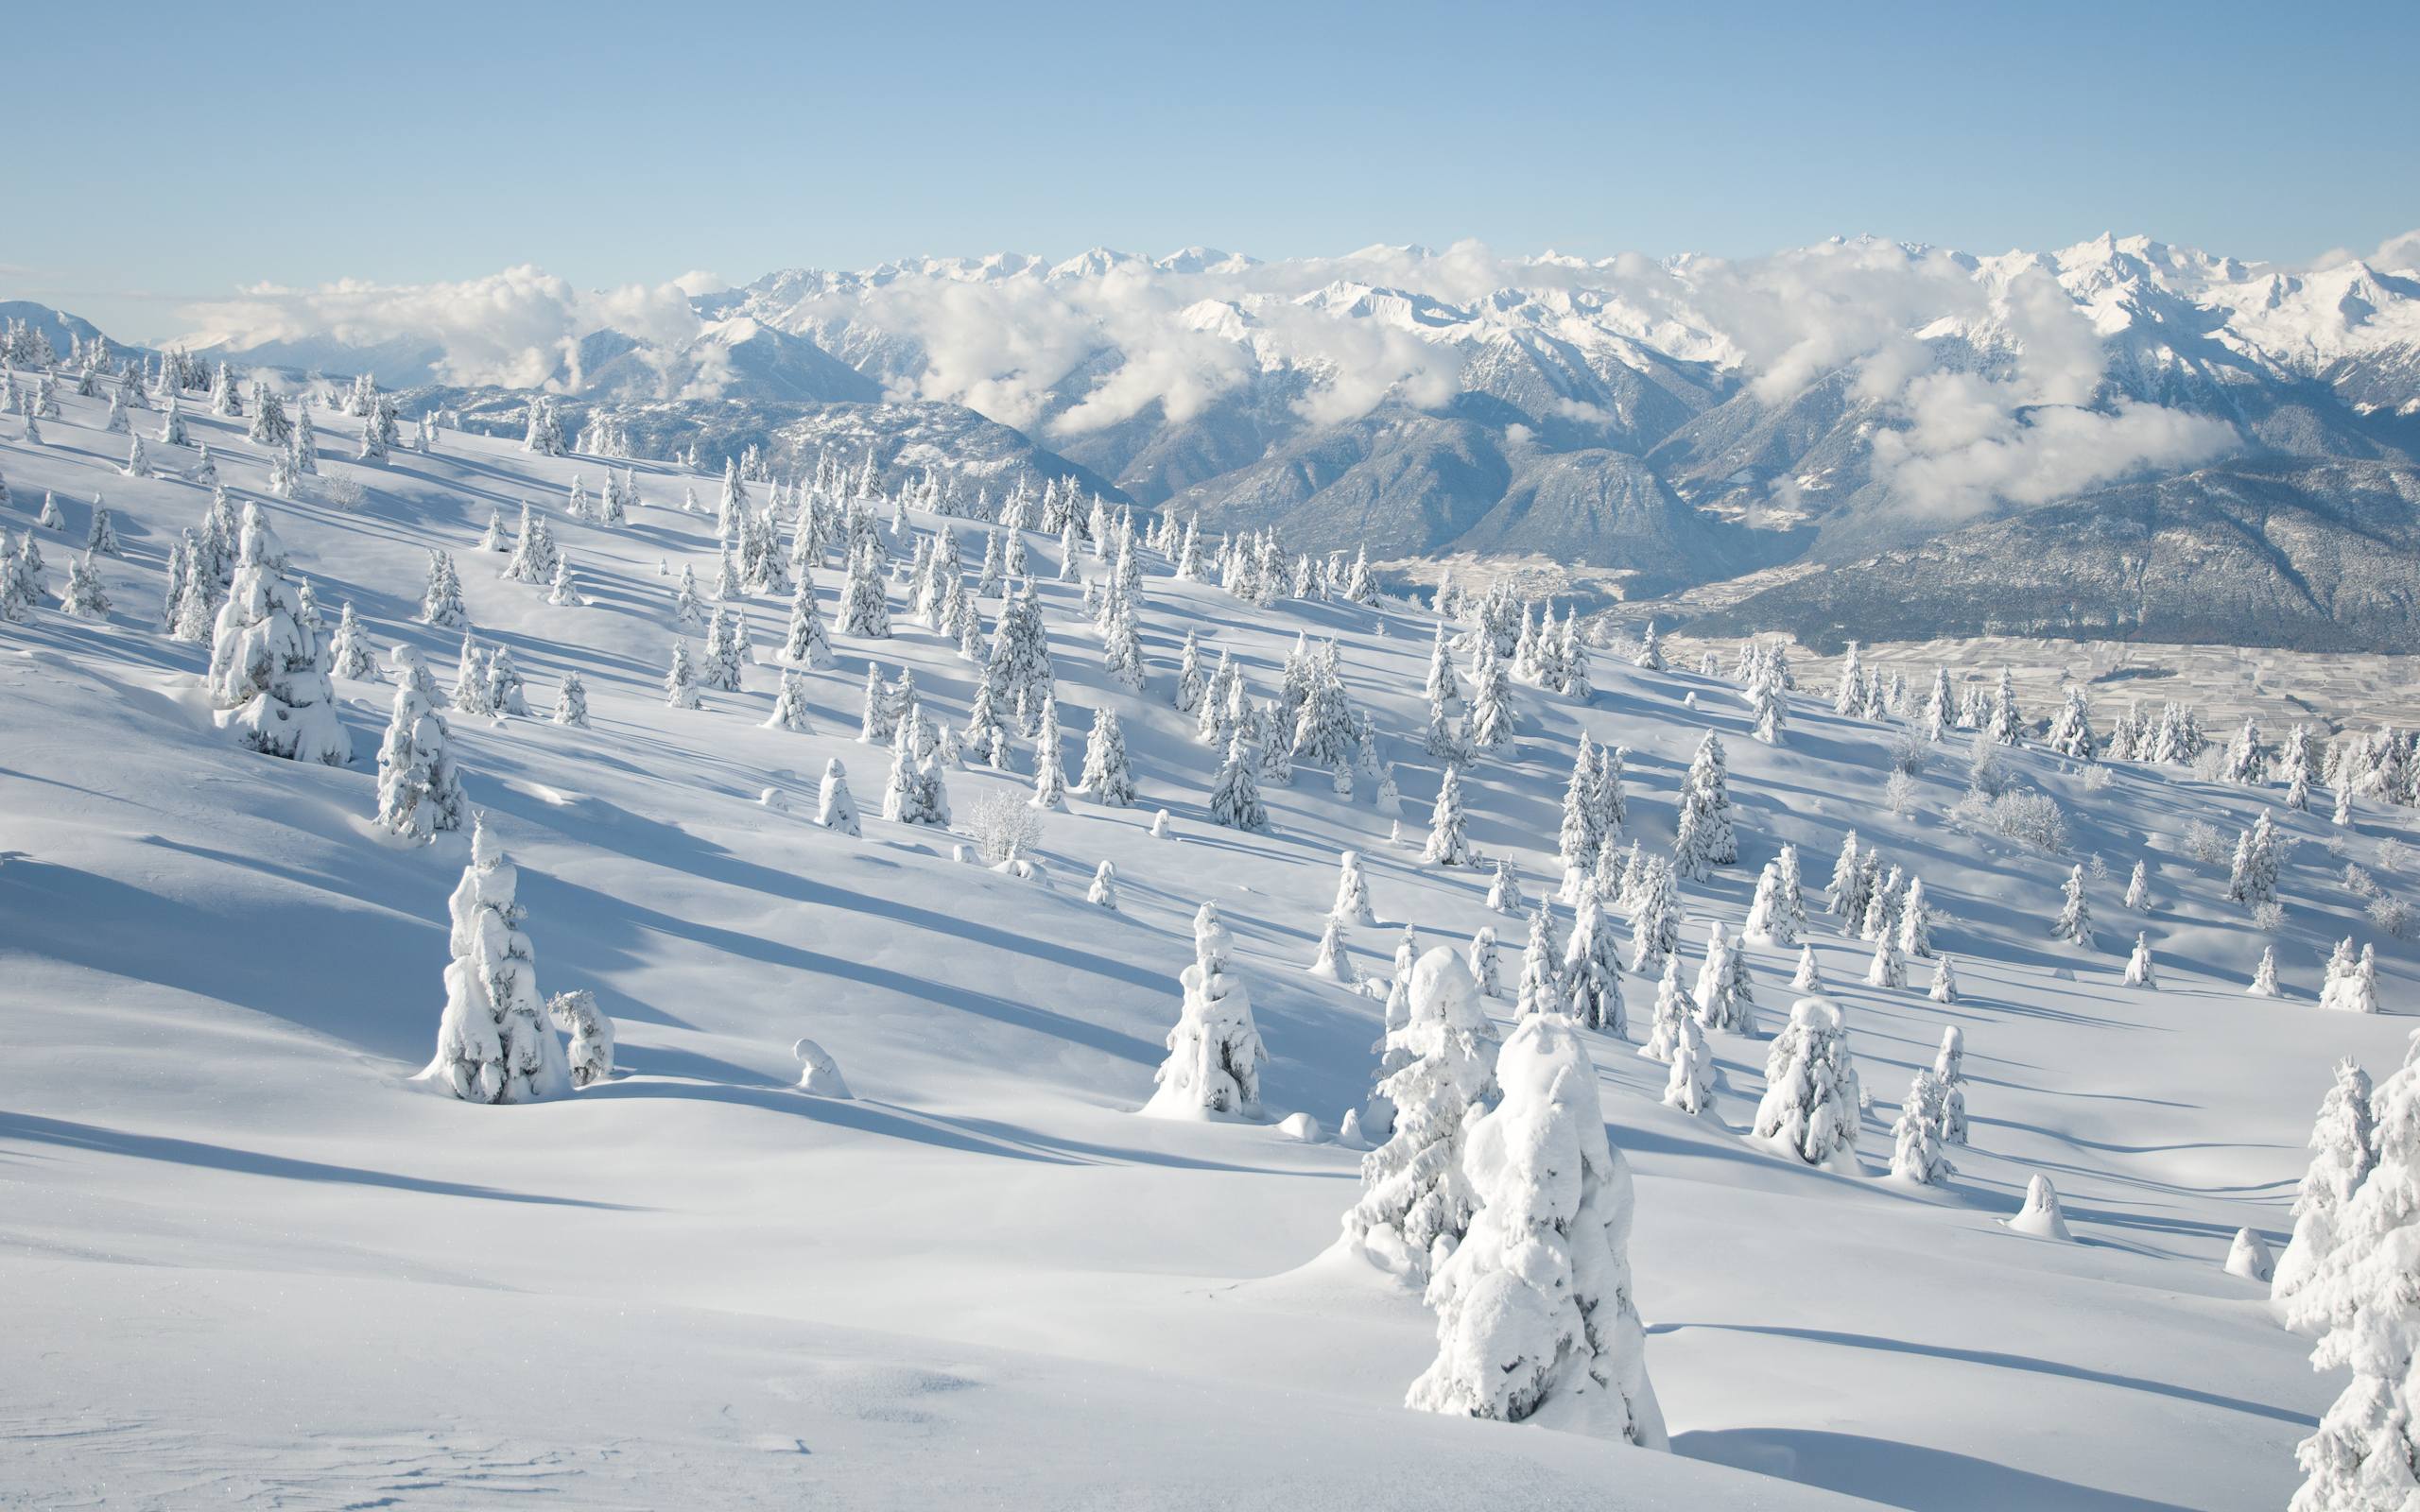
{"x":2264,"y":976}
{"x":1107,"y":777}
{"x":1919,"y":1140}
{"x":790,"y":704}
{"x":2140,"y":972}
{"x":835,"y":808}
{"x":680,"y":679}
{"x":2074,"y":924}
{"x":266,"y":678}
{"x":1810,"y":1103}
{"x":571,"y":702}
{"x":1504,"y":890}
{"x":1592,"y":971}
{"x":1416,"y":1203}
{"x":2361,"y":1298}
{"x":1352,"y":905}
{"x":420,"y":792}
{"x":1705,"y":838}
{"x":1049,"y":774}
{"x":2353,"y":987}
{"x":1535,"y":1318}
{"x":1215,"y":1054}
{"x":1448,"y":826}
{"x":2343,"y":1140}
{"x":494,"y":1043}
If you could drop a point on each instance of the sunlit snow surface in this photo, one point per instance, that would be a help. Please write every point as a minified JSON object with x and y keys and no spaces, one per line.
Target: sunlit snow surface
{"x":246,"y":1258}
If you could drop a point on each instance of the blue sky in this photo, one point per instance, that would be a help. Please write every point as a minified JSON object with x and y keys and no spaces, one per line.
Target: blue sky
{"x":176,"y":158}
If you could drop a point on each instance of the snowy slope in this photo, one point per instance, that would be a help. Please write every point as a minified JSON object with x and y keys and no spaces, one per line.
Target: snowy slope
{"x":243,"y":1248}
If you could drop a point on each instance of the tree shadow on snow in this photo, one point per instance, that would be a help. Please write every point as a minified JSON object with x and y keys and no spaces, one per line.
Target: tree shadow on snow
{"x":1896,"y":1474}
{"x":105,"y":1140}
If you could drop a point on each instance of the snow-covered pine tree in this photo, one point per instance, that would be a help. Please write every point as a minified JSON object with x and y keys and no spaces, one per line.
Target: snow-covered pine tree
{"x":83,"y":597}
{"x":1482,"y":962}
{"x":1672,"y":1009}
{"x":1706,"y":838}
{"x":266,"y":678}
{"x":2264,"y":976}
{"x":2355,"y":988}
{"x":1944,"y":981}
{"x":2074,"y":924}
{"x":2343,"y":1141}
{"x":2139,"y":969}
{"x":1536,"y":1319}
{"x":1448,"y":838}
{"x":2258,"y":854}
{"x":1919,"y":1137}
{"x":790,"y":704}
{"x":1655,"y":919}
{"x":1108,"y":777}
{"x":1504,"y":891}
{"x":1915,"y":922}
{"x":2362,"y":1456}
{"x":1235,"y":791}
{"x":1215,"y":1054}
{"x":1492,"y":720}
{"x":836,"y":809}
{"x":101,"y":540}
{"x":1416,"y":1203}
{"x":349,"y":653}
{"x":506,"y":694}
{"x":419,"y":793}
{"x":571,"y":702}
{"x":1540,"y":989}
{"x":1049,"y":774}
{"x":1768,"y":921}
{"x":1807,"y":979}
{"x":1592,"y":976}
{"x":1811,"y":1104}
{"x":494,"y":1044}
{"x":1352,"y":905}
{"x":680,"y":679}
{"x":2138,"y":887}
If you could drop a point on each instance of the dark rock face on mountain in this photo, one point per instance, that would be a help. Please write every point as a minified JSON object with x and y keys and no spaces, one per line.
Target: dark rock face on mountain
{"x":2313,"y":556}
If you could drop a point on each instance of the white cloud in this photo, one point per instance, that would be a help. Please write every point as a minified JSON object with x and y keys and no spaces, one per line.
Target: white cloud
{"x":513,"y":328}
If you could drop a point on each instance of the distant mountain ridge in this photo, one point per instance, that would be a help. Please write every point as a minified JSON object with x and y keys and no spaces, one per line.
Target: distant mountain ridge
{"x":1651,"y":425}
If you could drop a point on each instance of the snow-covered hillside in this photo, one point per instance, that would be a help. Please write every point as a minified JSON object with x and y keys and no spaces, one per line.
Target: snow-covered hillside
{"x":247,"y":1254}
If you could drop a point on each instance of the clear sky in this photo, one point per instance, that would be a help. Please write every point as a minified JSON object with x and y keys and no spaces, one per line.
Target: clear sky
{"x":175,"y":153}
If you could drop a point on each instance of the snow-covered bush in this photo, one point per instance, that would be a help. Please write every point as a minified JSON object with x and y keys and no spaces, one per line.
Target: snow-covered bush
{"x":1535,"y":1321}
{"x":2032,"y":819}
{"x":2390,"y":915}
{"x":2201,"y":841}
{"x":591,"y":1054}
{"x":1003,"y":824}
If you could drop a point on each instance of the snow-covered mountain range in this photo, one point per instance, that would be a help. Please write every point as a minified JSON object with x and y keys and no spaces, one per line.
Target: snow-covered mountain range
{"x":1651,"y":423}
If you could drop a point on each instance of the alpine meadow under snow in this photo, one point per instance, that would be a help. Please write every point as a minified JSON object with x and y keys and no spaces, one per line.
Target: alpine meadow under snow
{"x":860,"y":974}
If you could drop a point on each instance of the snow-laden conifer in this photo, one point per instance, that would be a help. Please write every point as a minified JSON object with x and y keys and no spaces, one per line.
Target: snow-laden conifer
{"x":1215,"y":1054}
{"x":1919,"y":1137}
{"x":2074,"y":924}
{"x":2139,"y":968}
{"x":1535,"y":1318}
{"x":835,"y":808}
{"x":571,"y":702}
{"x":266,"y":678}
{"x":1811,"y":1104}
{"x":2342,"y":1144}
{"x":420,"y":792}
{"x":1416,"y":1202}
{"x":494,"y":1043}
{"x":1448,"y":826}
